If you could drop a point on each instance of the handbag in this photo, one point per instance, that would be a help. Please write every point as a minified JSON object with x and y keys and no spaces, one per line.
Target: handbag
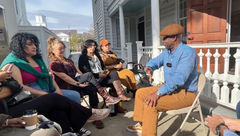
{"x":21,"y":97}
{"x":18,"y":95}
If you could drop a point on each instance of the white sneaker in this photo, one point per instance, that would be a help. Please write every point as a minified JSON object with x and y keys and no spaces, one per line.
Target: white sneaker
{"x":137,"y":128}
{"x":99,"y":114}
{"x":84,"y":132}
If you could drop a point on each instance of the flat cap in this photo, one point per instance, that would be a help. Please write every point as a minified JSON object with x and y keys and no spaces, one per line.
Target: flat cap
{"x":172,"y":29}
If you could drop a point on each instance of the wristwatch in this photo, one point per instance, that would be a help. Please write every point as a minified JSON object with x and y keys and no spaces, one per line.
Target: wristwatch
{"x":158,"y":93}
{"x":218,"y":128}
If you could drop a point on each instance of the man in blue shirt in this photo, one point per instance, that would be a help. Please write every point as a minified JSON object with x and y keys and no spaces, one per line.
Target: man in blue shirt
{"x":181,"y":81}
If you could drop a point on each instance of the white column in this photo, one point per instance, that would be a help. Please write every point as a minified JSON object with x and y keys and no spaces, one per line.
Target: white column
{"x":155,"y":27}
{"x":139,"y":50}
{"x":122,"y":30}
{"x":129,"y":51}
{"x":155,"y":15}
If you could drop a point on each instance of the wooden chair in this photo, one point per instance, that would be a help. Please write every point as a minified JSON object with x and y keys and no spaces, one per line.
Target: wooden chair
{"x":195,"y":107}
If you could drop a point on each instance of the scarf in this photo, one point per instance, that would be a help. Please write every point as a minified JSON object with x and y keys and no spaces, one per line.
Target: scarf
{"x":44,"y":80}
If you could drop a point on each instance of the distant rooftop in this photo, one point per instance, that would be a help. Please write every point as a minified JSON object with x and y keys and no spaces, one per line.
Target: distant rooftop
{"x":70,"y":32}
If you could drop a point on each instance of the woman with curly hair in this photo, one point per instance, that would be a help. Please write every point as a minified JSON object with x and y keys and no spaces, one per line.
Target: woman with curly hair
{"x":29,"y":69}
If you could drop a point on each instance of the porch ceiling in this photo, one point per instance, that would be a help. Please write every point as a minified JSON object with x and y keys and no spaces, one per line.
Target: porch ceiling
{"x":135,"y":5}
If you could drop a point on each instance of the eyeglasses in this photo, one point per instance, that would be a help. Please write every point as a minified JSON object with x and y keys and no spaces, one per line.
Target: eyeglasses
{"x":170,"y":36}
{"x":61,"y":48}
{"x":107,"y":45}
{"x":92,"y":46}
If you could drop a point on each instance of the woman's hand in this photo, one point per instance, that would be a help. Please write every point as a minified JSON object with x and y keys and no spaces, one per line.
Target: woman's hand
{"x":118,"y":66}
{"x":58,"y":91}
{"x":84,"y":84}
{"x":5,"y":75}
{"x":16,"y":122}
{"x":102,"y":75}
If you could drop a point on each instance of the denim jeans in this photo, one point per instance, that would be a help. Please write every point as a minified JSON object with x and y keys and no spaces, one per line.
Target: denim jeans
{"x":70,"y":94}
{"x":238,"y":110}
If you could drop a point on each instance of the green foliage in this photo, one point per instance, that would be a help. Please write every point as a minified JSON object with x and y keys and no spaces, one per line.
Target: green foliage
{"x":77,"y":40}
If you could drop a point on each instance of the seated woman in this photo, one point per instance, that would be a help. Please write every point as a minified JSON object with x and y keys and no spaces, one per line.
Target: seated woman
{"x":29,"y":69}
{"x":112,"y":62}
{"x":64,"y":72}
{"x":90,"y":61}
{"x":67,"y":113}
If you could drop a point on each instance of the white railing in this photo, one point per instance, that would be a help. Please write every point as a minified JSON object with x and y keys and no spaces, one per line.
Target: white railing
{"x":221,"y":87}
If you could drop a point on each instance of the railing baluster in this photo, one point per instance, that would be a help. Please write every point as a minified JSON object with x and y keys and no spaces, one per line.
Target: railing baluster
{"x":208,"y":72}
{"x":226,"y":56}
{"x":225,"y":90}
{"x":225,"y":93}
{"x":216,"y":90}
{"x":236,"y":91}
{"x":237,"y":65}
{"x":216,"y":56}
{"x":215,"y":87}
{"x":235,"y":95}
{"x":200,"y":54}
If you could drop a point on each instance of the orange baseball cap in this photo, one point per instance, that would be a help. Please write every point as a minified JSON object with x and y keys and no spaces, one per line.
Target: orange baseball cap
{"x":104,"y":42}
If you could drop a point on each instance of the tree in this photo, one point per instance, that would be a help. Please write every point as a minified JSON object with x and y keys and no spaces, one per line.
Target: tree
{"x":76,"y":42}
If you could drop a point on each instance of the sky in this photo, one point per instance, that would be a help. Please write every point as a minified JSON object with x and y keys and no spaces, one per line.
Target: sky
{"x":62,"y":14}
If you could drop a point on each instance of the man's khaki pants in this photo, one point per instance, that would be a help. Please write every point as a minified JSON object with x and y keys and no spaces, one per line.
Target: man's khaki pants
{"x":149,"y":116}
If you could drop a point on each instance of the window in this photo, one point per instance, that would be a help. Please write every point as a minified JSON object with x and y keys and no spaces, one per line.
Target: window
{"x":183,"y":18}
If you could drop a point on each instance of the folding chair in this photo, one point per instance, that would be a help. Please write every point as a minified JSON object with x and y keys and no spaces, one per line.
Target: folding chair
{"x":138,"y":69}
{"x":195,"y":107}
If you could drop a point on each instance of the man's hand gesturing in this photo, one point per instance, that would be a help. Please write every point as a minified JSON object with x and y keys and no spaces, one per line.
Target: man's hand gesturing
{"x":149,"y":71}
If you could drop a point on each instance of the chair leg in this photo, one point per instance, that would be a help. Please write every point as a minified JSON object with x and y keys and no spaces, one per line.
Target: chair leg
{"x":201,"y":117}
{"x":86,"y":102}
{"x":184,"y":121}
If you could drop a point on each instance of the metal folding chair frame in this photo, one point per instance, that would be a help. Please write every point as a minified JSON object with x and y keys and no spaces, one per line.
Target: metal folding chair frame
{"x":193,"y":108}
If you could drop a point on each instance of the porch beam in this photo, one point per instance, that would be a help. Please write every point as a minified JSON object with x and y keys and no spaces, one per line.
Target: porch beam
{"x":155,"y":15}
{"x":122,"y":30}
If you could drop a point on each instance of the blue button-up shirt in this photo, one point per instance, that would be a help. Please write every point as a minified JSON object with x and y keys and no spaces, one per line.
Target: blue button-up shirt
{"x":228,"y":132}
{"x":180,"y":69}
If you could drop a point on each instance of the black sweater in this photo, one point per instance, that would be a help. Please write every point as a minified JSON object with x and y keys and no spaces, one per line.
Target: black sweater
{"x":84,"y":66}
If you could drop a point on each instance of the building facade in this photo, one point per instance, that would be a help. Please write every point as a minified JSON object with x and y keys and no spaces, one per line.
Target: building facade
{"x":13,"y":19}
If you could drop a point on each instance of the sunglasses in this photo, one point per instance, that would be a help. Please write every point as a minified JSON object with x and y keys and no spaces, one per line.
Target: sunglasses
{"x":107,"y":45}
{"x":169,"y":65}
{"x":170,"y":36}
